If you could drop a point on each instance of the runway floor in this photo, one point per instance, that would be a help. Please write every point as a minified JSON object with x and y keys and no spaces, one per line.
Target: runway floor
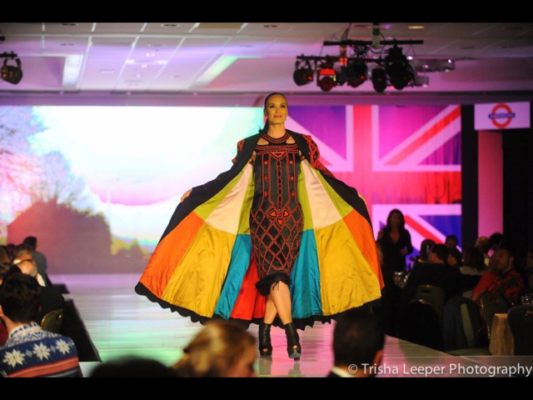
{"x":122,"y":323}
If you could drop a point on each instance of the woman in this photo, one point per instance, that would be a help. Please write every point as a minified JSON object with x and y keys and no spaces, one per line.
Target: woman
{"x":395,"y":242}
{"x":473,"y":268}
{"x":455,"y":258}
{"x":222,"y":349}
{"x":276,"y":240}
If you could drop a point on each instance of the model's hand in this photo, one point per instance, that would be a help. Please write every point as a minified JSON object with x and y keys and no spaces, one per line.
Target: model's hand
{"x":187,"y":194}
{"x":301,"y":155}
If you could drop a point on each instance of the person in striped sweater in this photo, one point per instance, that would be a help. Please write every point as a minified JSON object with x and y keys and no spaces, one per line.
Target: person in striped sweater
{"x":29,"y":350}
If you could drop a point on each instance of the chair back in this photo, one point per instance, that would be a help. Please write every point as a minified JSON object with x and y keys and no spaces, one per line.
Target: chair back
{"x":53,"y":321}
{"x":432,"y":295}
{"x":421,"y":324}
{"x":492,"y":304}
{"x":520,"y":321}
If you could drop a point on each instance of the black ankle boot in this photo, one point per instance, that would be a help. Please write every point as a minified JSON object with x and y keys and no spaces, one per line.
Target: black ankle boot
{"x":265,"y":346}
{"x":293,"y":341}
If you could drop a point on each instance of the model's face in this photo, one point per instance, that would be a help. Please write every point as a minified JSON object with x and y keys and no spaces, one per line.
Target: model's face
{"x":277,"y":110}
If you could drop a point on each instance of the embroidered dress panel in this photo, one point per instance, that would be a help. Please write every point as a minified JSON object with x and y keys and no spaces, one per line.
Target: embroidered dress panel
{"x":276,"y":217}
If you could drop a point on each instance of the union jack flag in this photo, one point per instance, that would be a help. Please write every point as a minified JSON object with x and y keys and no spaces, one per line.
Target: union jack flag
{"x":405,"y":157}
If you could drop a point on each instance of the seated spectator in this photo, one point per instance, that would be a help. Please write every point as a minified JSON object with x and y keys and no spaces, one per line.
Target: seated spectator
{"x":24,"y":252}
{"x":51,"y":298}
{"x":474,"y":263}
{"x":451,"y":242}
{"x":435,"y":273}
{"x":358,"y":340}
{"x":483,"y":244}
{"x":507,"y":281}
{"x":474,"y":266}
{"x":486,"y":279}
{"x":221,"y":349}
{"x":455,"y":258}
{"x":39,"y":258}
{"x":133,"y":367}
{"x":30,"y":351}
{"x":495,"y":241}
{"x":425,"y":248}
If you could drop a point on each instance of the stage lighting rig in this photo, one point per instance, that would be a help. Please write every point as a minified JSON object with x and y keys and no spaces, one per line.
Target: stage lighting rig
{"x":11,"y":73}
{"x":395,"y":69}
{"x":303,"y":74}
{"x":398,"y":69}
{"x":327,"y":77}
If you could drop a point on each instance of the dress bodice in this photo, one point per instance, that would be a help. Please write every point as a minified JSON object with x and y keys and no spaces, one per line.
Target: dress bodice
{"x":278,"y":145}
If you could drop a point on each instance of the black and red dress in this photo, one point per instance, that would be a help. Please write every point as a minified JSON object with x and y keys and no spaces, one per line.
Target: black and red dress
{"x":276,"y":217}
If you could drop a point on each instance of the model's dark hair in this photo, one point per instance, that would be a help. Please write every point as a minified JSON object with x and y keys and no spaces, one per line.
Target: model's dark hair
{"x":20,"y":297}
{"x":265,"y":128}
{"x":401,"y":228}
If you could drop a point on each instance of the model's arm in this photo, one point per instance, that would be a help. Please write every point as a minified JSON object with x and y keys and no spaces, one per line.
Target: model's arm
{"x":314,"y":153}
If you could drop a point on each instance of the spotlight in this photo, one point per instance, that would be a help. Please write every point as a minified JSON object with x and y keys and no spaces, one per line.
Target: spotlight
{"x":398,"y":69}
{"x":329,"y":77}
{"x":379,"y":79}
{"x":11,"y":73}
{"x":359,"y":73}
{"x":303,"y":76}
{"x":354,"y":73}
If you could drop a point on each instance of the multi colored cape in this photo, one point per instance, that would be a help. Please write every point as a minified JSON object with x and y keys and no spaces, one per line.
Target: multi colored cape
{"x":203,"y":266}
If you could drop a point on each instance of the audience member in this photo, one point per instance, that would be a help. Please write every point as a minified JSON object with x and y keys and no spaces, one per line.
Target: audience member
{"x":435,"y":273}
{"x":483,"y":244}
{"x":39,"y":258}
{"x":51,"y":298}
{"x":358,"y":342}
{"x":221,"y":349}
{"x":133,"y":367}
{"x":507,"y":281}
{"x":451,"y":242}
{"x":24,"y":252}
{"x":30,"y":351}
